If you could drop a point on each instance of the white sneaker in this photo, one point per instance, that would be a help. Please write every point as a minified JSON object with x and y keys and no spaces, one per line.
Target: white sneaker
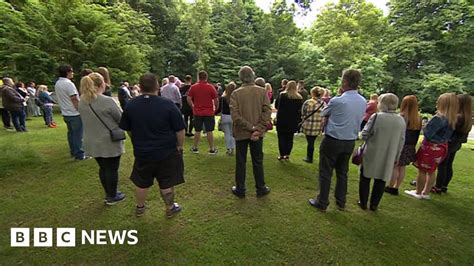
{"x":413,"y":194}
{"x":425,"y":196}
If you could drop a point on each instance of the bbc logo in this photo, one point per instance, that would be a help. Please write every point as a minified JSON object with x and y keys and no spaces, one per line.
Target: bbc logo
{"x":42,"y":237}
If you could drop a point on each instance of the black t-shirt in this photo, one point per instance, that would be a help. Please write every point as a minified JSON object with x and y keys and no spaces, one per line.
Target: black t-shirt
{"x":153,"y":121}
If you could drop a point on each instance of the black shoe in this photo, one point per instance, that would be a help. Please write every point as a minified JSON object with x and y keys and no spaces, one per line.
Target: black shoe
{"x":391,"y":191}
{"x":413,"y":183}
{"x":306,"y":160}
{"x":340,"y":207}
{"x":240,"y":194}
{"x":263,"y":191}
{"x":316,"y":204}
{"x":373,"y":208}
{"x":362,"y":206}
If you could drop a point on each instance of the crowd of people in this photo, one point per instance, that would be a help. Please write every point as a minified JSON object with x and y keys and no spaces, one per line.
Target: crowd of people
{"x":158,"y":118}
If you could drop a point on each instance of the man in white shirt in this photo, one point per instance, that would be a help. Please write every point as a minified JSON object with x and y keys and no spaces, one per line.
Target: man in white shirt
{"x":171,"y":91}
{"x":68,"y":99}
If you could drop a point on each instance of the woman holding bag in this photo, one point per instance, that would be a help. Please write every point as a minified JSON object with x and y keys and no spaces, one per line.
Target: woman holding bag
{"x":384,"y":136}
{"x":101,"y":117}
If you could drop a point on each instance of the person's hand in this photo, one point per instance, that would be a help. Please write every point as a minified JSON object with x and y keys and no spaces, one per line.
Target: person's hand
{"x":255,"y":136}
{"x":180,"y":149}
{"x":397,"y":163}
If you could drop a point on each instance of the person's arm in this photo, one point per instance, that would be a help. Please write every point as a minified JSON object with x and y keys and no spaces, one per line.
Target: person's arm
{"x":327,"y":110}
{"x":178,"y":97}
{"x":366,"y":131}
{"x":75,"y":101}
{"x":401,"y":143}
{"x":265,"y":116}
{"x":432,"y":127}
{"x":115,"y":111}
{"x":190,"y":101}
{"x":237,"y":118}
{"x":216,"y":99}
{"x":180,"y":140}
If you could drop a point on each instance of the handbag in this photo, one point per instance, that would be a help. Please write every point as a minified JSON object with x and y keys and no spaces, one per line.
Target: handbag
{"x":358,"y":154}
{"x":115,"y":134}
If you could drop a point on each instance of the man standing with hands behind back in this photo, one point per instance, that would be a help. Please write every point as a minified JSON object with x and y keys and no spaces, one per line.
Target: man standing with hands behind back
{"x":251,"y":113}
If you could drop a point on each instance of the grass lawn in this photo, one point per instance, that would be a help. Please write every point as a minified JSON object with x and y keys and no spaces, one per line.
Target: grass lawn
{"x":40,"y":186}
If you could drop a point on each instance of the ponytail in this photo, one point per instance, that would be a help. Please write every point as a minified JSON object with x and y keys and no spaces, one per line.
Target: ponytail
{"x":89,"y":86}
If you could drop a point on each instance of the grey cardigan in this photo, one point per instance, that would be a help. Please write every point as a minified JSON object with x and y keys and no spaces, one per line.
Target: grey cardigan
{"x":97,"y":141}
{"x":384,"y":145}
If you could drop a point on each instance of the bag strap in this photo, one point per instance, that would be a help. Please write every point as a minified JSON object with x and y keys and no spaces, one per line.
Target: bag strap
{"x":90,"y":106}
{"x":311,"y":114}
{"x":373,"y":123}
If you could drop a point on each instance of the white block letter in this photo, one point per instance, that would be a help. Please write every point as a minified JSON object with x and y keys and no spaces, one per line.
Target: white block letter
{"x":20,"y":237}
{"x":66,"y":237}
{"x":43,"y":237}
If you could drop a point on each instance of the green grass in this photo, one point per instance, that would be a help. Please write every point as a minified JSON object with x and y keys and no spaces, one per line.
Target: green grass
{"x":40,"y":186}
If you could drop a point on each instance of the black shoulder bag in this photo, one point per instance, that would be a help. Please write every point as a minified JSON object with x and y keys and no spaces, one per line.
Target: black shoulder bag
{"x":115,"y":134}
{"x":309,"y":115}
{"x":358,"y":154}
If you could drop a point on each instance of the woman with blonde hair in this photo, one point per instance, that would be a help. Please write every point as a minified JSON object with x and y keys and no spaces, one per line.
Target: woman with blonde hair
{"x":409,"y":112}
{"x":226,"y":119}
{"x":47,"y":105}
{"x":269,"y":90}
{"x":461,"y":132}
{"x":311,"y":127}
{"x":100,"y":116}
{"x":108,"y":84}
{"x":384,"y":137}
{"x":288,"y":117}
{"x":434,"y":147}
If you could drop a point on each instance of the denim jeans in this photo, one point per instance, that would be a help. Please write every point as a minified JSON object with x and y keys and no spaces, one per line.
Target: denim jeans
{"x":74,"y":135}
{"x":5,"y":118}
{"x":18,"y":119}
{"x":48,"y":114}
{"x":226,"y":121}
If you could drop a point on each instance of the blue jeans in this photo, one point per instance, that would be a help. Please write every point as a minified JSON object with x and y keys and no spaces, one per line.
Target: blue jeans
{"x":74,"y":135}
{"x":48,"y":114}
{"x":18,"y":119}
{"x":226,"y":121}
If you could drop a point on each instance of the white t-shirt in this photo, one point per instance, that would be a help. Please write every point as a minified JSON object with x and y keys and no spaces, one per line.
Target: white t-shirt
{"x":64,"y":89}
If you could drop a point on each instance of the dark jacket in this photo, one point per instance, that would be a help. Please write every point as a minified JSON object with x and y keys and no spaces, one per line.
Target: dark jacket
{"x":12,"y":100}
{"x":289,"y":114}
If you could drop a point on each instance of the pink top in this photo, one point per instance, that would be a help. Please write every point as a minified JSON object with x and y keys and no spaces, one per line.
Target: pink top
{"x":370,"y":110}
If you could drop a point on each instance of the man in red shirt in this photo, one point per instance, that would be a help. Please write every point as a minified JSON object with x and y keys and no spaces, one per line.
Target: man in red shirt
{"x":202,"y":97}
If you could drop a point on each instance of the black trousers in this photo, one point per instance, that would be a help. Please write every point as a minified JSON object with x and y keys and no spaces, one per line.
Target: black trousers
{"x":6,"y":119}
{"x":334,"y":153}
{"x":377,"y":191}
{"x":188,"y":121}
{"x":285,"y":143}
{"x":256,"y":152}
{"x":108,"y":174}
{"x":445,"y":168}
{"x":310,"y":147}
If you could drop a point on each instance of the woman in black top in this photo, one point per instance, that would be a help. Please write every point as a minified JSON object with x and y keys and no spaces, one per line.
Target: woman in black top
{"x":409,"y":111}
{"x":288,"y":117}
{"x":186,"y":110}
{"x":463,"y":126}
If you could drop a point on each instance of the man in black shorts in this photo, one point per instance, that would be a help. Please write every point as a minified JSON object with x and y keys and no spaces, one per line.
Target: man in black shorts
{"x":157,"y":131}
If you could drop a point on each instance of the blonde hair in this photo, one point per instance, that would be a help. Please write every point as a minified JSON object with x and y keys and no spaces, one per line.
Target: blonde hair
{"x":89,"y":86}
{"x":292,"y":91}
{"x":105,"y":73}
{"x":165,"y":81}
{"x":388,"y":102}
{"x":317,"y":92}
{"x":447,"y":106}
{"x":42,"y":88}
{"x":268,"y":87}
{"x":409,"y":110}
{"x":374,"y":97}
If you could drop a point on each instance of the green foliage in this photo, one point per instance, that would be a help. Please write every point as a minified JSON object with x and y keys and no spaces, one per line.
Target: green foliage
{"x":418,"y":42}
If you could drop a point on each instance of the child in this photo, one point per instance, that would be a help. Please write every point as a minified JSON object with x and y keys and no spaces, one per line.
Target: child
{"x":409,"y":111}
{"x":48,"y":102}
{"x":434,"y":147}
{"x":463,"y":126}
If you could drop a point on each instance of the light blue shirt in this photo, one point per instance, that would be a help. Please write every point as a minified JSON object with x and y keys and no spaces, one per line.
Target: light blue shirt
{"x":345,"y":114}
{"x":171,"y":92}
